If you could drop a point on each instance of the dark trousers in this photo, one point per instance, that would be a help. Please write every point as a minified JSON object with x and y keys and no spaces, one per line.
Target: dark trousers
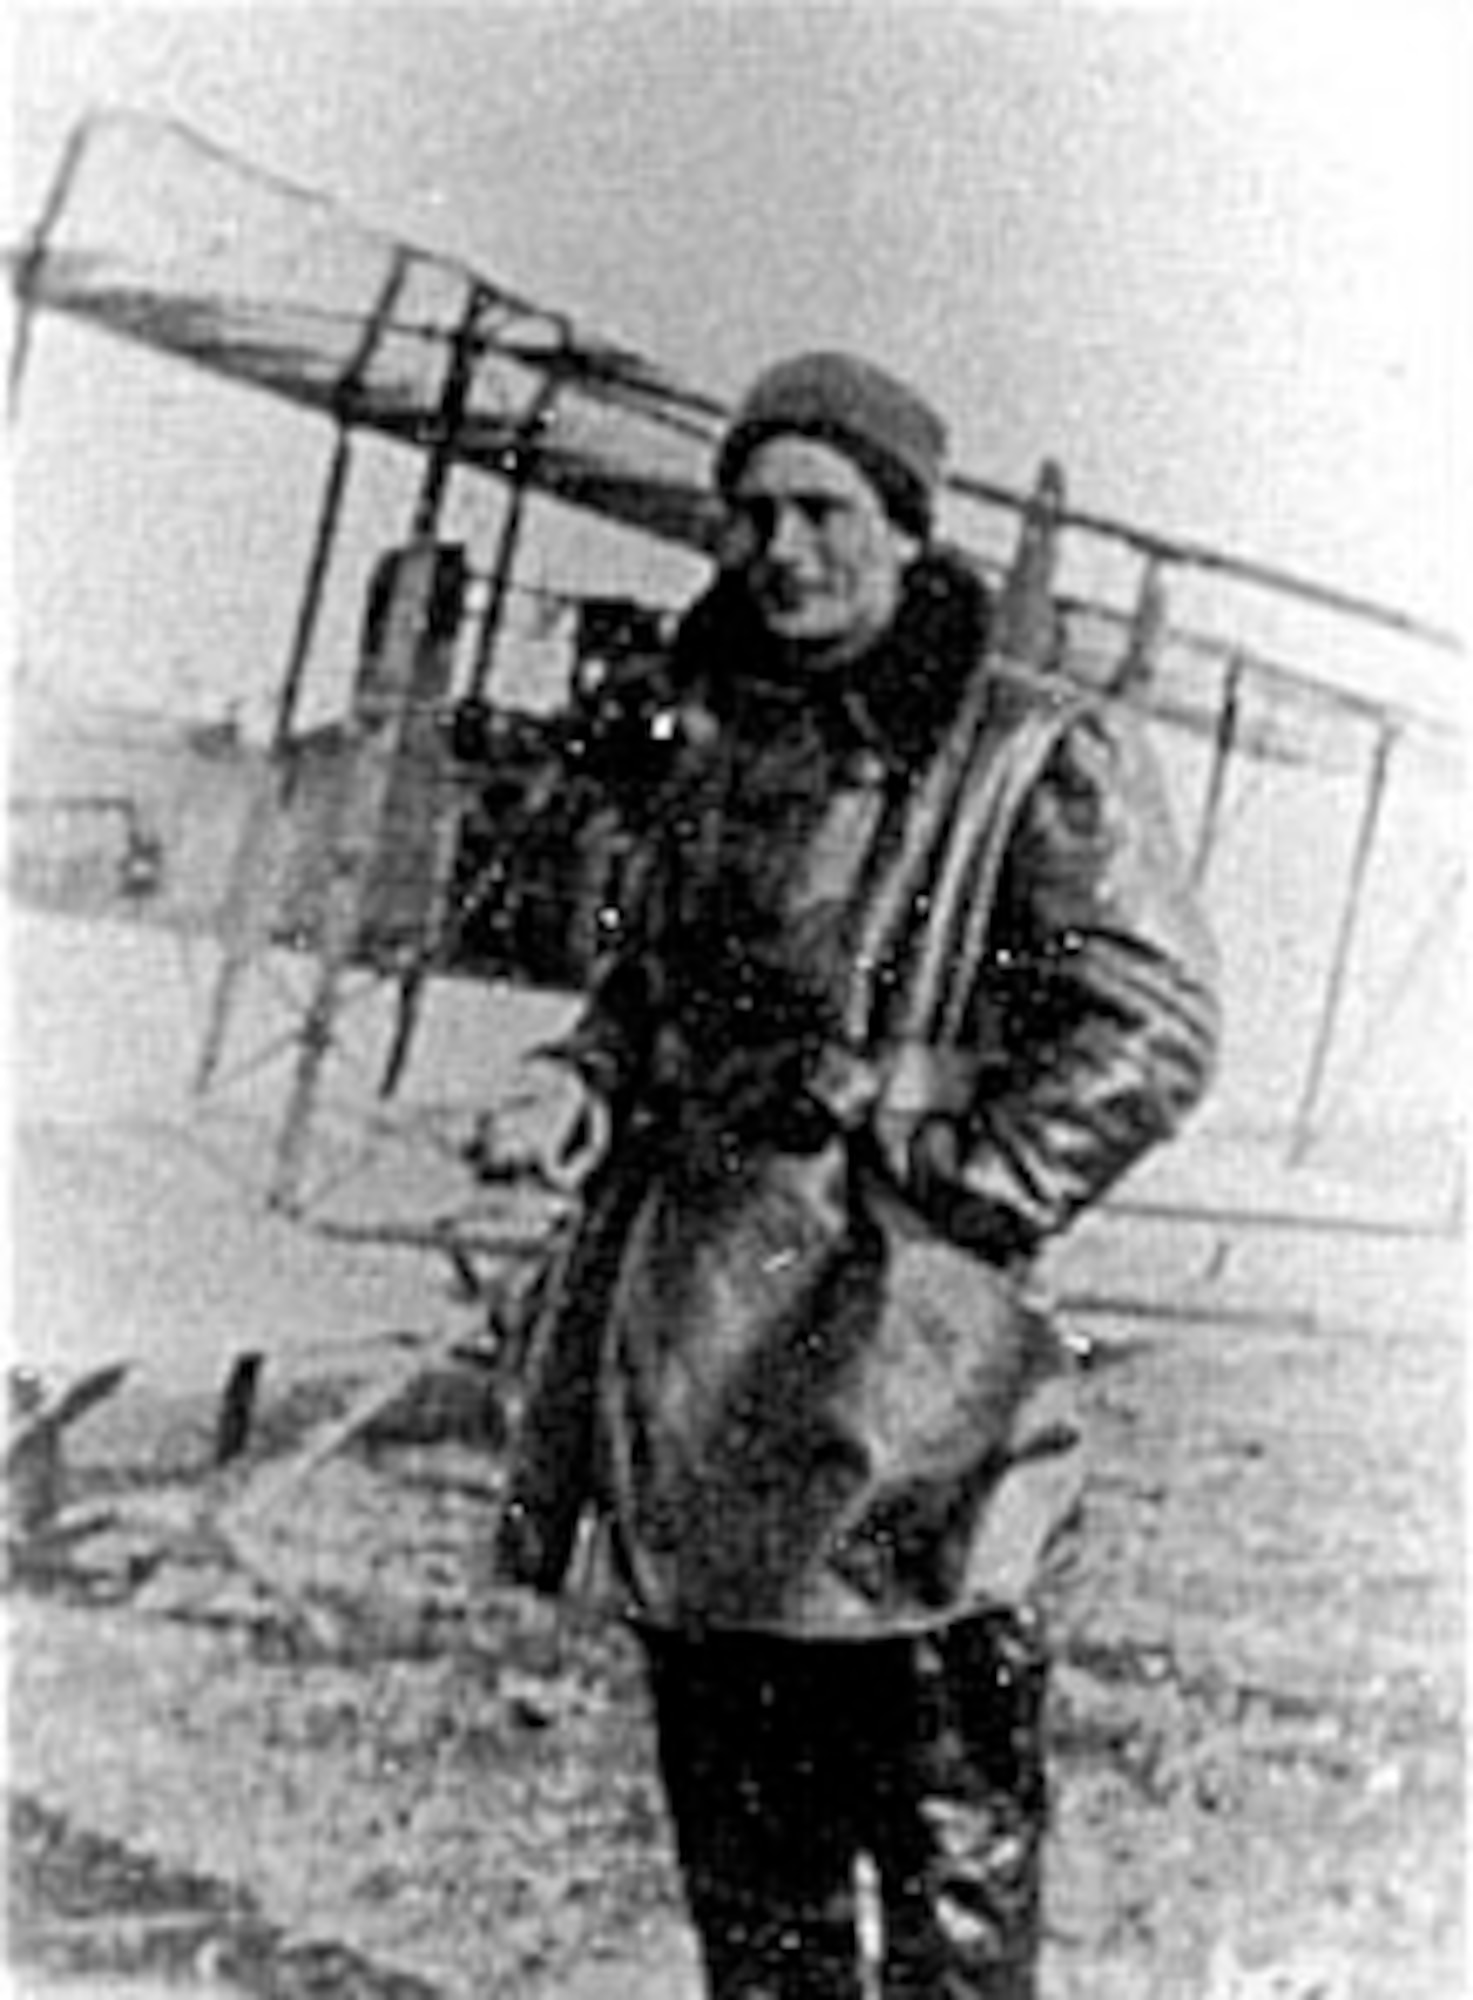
{"x":784,"y":1761}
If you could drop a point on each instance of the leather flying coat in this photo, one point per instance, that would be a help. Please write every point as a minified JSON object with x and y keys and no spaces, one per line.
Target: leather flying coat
{"x":913,"y":978}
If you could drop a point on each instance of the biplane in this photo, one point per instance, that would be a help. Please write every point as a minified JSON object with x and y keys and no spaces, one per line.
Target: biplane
{"x":436,"y":830}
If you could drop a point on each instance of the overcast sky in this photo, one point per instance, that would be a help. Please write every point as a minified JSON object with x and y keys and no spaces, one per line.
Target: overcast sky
{"x":1214,"y":260}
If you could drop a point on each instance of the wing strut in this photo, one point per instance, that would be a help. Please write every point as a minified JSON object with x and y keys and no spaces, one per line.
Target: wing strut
{"x":33,"y":257}
{"x":249,"y":899}
{"x":521,"y":461}
{"x":1224,"y":745}
{"x":381,"y":714}
{"x":519,"y":471}
{"x":1303,"y":1128}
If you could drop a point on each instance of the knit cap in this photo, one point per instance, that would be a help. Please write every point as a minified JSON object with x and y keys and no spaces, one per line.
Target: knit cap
{"x":894,"y":436}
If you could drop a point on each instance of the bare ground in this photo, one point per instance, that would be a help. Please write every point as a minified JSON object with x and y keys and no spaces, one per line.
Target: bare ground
{"x":349,"y":1769}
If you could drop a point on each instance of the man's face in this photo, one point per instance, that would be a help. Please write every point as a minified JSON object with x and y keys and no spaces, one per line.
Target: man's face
{"x":821,"y":558}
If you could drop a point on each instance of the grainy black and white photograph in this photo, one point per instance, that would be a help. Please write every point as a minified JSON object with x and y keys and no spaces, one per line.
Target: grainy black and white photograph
{"x":735,"y":980}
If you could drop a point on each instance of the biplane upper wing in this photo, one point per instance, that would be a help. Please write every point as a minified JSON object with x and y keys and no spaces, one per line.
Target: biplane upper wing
{"x":160,"y":237}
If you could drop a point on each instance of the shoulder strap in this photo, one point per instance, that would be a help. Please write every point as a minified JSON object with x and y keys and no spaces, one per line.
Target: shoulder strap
{"x":1005,"y":770}
{"x":956,"y":833}
{"x":927,"y":816}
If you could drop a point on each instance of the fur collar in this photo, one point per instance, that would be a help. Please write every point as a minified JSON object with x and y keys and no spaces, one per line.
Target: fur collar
{"x":899,"y":696}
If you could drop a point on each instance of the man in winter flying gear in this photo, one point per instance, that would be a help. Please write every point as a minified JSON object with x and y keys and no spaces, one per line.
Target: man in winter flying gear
{"x":910,"y":977}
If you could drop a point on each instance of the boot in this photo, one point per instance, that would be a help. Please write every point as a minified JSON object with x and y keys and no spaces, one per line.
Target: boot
{"x":962,"y":1871}
{"x":777,"y":1953}
{"x":758,"y":1768}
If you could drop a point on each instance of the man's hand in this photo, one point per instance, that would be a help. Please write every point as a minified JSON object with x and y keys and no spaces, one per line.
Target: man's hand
{"x":583,"y":1144}
{"x":552,"y":1134}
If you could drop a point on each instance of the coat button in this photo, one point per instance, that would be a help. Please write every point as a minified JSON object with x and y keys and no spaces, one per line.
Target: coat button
{"x":865,"y":768}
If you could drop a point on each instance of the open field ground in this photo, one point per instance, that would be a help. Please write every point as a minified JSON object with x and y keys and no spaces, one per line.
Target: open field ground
{"x":299,"y":1749}
{"x":323,"y":1759}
